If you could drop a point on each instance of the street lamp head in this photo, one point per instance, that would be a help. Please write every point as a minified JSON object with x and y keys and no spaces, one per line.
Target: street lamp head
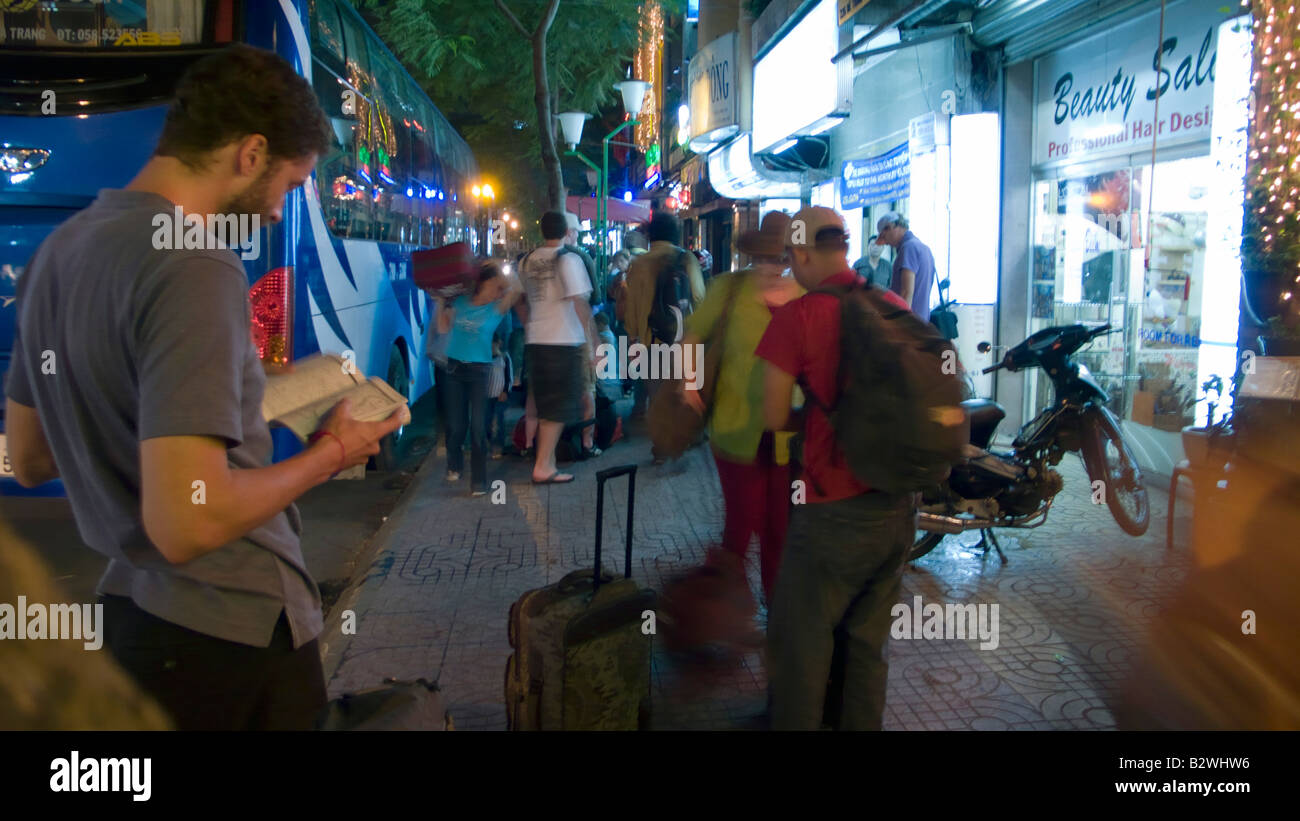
{"x":488,"y":193}
{"x":571,"y":123}
{"x":477,"y":191}
{"x":633,"y":92}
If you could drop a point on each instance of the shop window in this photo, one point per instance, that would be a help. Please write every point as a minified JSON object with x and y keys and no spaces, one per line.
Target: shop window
{"x":1169,"y":337}
{"x":1089,"y":263}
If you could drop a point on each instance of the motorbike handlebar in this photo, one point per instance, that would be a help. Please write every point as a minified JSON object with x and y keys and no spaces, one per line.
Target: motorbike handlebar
{"x":992,"y":368}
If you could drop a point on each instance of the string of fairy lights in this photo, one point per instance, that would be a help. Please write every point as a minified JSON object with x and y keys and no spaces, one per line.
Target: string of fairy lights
{"x":1273,"y":174}
{"x":649,"y":59}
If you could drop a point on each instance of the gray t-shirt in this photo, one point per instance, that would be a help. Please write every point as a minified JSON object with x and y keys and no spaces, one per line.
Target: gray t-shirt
{"x":915,"y":256}
{"x":118,"y":342}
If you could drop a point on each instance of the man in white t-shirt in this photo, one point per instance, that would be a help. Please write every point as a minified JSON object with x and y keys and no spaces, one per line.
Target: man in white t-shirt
{"x":559,"y":341}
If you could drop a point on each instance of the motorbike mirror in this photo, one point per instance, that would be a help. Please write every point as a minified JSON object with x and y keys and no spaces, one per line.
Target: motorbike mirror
{"x":984,"y":347}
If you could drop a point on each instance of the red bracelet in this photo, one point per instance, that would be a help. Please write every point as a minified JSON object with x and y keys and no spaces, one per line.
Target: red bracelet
{"x":343,"y":453}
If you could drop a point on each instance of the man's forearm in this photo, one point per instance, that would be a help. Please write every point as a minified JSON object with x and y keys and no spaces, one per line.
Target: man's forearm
{"x":906,"y":285}
{"x":232,"y":502}
{"x":584,"y":316}
{"x":29,"y":453}
{"x":262,"y":493}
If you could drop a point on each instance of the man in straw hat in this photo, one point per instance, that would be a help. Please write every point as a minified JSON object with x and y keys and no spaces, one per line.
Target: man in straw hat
{"x":753,"y":463}
{"x":846,"y":545}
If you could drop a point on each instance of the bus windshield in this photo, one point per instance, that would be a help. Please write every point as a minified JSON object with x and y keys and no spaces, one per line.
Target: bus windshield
{"x":86,"y":25}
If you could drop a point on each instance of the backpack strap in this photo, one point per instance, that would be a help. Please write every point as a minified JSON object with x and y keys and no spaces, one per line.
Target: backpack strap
{"x":672,"y":265}
{"x":840,"y":292}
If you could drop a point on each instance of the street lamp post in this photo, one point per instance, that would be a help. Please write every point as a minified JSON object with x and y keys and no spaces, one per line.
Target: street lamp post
{"x":484,"y":194}
{"x":571,"y":122}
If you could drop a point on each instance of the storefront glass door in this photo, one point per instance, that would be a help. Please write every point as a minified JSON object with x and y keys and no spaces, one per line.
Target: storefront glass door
{"x":1090,"y":264}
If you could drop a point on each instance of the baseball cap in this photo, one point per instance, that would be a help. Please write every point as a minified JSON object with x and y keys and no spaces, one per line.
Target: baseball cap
{"x":889,"y":218}
{"x":808,"y":224}
{"x":571,"y":220}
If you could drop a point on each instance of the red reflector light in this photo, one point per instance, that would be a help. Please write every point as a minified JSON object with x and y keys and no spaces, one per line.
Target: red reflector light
{"x":272,"y":321}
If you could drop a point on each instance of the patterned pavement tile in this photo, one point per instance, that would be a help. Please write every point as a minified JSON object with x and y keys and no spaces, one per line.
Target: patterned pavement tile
{"x":1074,"y":600}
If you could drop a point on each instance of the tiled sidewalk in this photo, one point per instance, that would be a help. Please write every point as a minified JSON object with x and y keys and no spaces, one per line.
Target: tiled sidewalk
{"x":1074,"y":600}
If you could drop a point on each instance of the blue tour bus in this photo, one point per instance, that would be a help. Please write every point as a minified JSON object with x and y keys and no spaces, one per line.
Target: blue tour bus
{"x":84,"y":88}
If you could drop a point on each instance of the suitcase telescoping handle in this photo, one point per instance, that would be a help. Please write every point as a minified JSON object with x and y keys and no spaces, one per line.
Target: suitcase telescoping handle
{"x":602,"y":477}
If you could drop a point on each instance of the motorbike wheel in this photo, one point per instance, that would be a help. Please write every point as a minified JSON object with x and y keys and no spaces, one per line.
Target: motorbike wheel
{"x":1108,"y":459}
{"x":925,"y":542}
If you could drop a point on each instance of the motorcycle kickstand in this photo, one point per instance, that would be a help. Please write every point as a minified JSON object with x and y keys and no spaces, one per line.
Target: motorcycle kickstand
{"x":987,"y":538}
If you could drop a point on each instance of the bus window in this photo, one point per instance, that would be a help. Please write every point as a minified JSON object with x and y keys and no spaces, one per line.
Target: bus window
{"x":392,"y":150}
{"x":327,"y":35}
{"x":424,"y":170}
{"x":361,"y":191}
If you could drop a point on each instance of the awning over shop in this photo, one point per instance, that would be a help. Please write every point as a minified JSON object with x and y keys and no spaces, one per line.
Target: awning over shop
{"x":617,"y":210}
{"x":732,"y":174}
{"x":1029,"y":28}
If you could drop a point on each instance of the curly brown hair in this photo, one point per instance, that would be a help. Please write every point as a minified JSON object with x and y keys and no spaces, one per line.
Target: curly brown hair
{"x":238,"y":91}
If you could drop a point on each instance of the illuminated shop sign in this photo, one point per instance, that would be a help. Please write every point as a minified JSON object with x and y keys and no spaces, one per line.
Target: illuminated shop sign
{"x":796,"y":84}
{"x":711,"y":79}
{"x":1098,"y":97}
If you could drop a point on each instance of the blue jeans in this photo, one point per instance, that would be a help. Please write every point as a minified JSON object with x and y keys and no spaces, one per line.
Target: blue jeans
{"x":440,"y":380}
{"x":840,"y":575}
{"x":496,"y":421}
{"x":467,"y":410}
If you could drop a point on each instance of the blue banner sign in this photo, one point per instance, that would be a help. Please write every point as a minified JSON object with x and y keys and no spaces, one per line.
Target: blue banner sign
{"x":878,"y":179}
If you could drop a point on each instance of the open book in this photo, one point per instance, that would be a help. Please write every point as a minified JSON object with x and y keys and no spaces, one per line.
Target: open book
{"x":300,"y":399}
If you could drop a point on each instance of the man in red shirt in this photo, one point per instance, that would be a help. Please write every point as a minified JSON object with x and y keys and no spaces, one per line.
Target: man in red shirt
{"x":845,"y":549}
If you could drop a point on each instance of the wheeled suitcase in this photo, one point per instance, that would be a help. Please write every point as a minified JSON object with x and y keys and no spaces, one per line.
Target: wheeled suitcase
{"x":581,"y":657}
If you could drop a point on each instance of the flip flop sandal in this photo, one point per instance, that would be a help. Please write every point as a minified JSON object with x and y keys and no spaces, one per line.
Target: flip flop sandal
{"x":551,"y":480}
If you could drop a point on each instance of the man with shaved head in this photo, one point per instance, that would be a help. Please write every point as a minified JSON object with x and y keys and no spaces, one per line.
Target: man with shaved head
{"x":846,"y":545}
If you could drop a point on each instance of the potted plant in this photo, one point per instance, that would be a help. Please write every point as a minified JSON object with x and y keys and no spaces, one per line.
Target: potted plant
{"x":1211,"y":445}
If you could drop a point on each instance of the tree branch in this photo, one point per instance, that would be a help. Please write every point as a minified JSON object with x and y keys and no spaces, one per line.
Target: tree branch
{"x":510,"y":15}
{"x":547,"y":18}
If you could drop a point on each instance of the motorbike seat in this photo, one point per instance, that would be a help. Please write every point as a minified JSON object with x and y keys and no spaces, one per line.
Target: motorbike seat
{"x":984,"y":415}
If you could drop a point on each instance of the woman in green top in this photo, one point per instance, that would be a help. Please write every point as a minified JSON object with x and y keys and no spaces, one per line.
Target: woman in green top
{"x":753,"y":464}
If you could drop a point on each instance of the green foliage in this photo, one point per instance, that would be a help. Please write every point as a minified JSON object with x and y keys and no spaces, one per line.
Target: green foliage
{"x":418,"y":32}
{"x":478,"y":69}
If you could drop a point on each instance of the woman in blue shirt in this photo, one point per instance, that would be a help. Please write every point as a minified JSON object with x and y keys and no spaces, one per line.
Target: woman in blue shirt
{"x":470,"y":320}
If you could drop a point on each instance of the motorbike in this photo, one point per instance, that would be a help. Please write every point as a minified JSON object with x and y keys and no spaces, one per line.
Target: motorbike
{"x":1015,"y":489}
